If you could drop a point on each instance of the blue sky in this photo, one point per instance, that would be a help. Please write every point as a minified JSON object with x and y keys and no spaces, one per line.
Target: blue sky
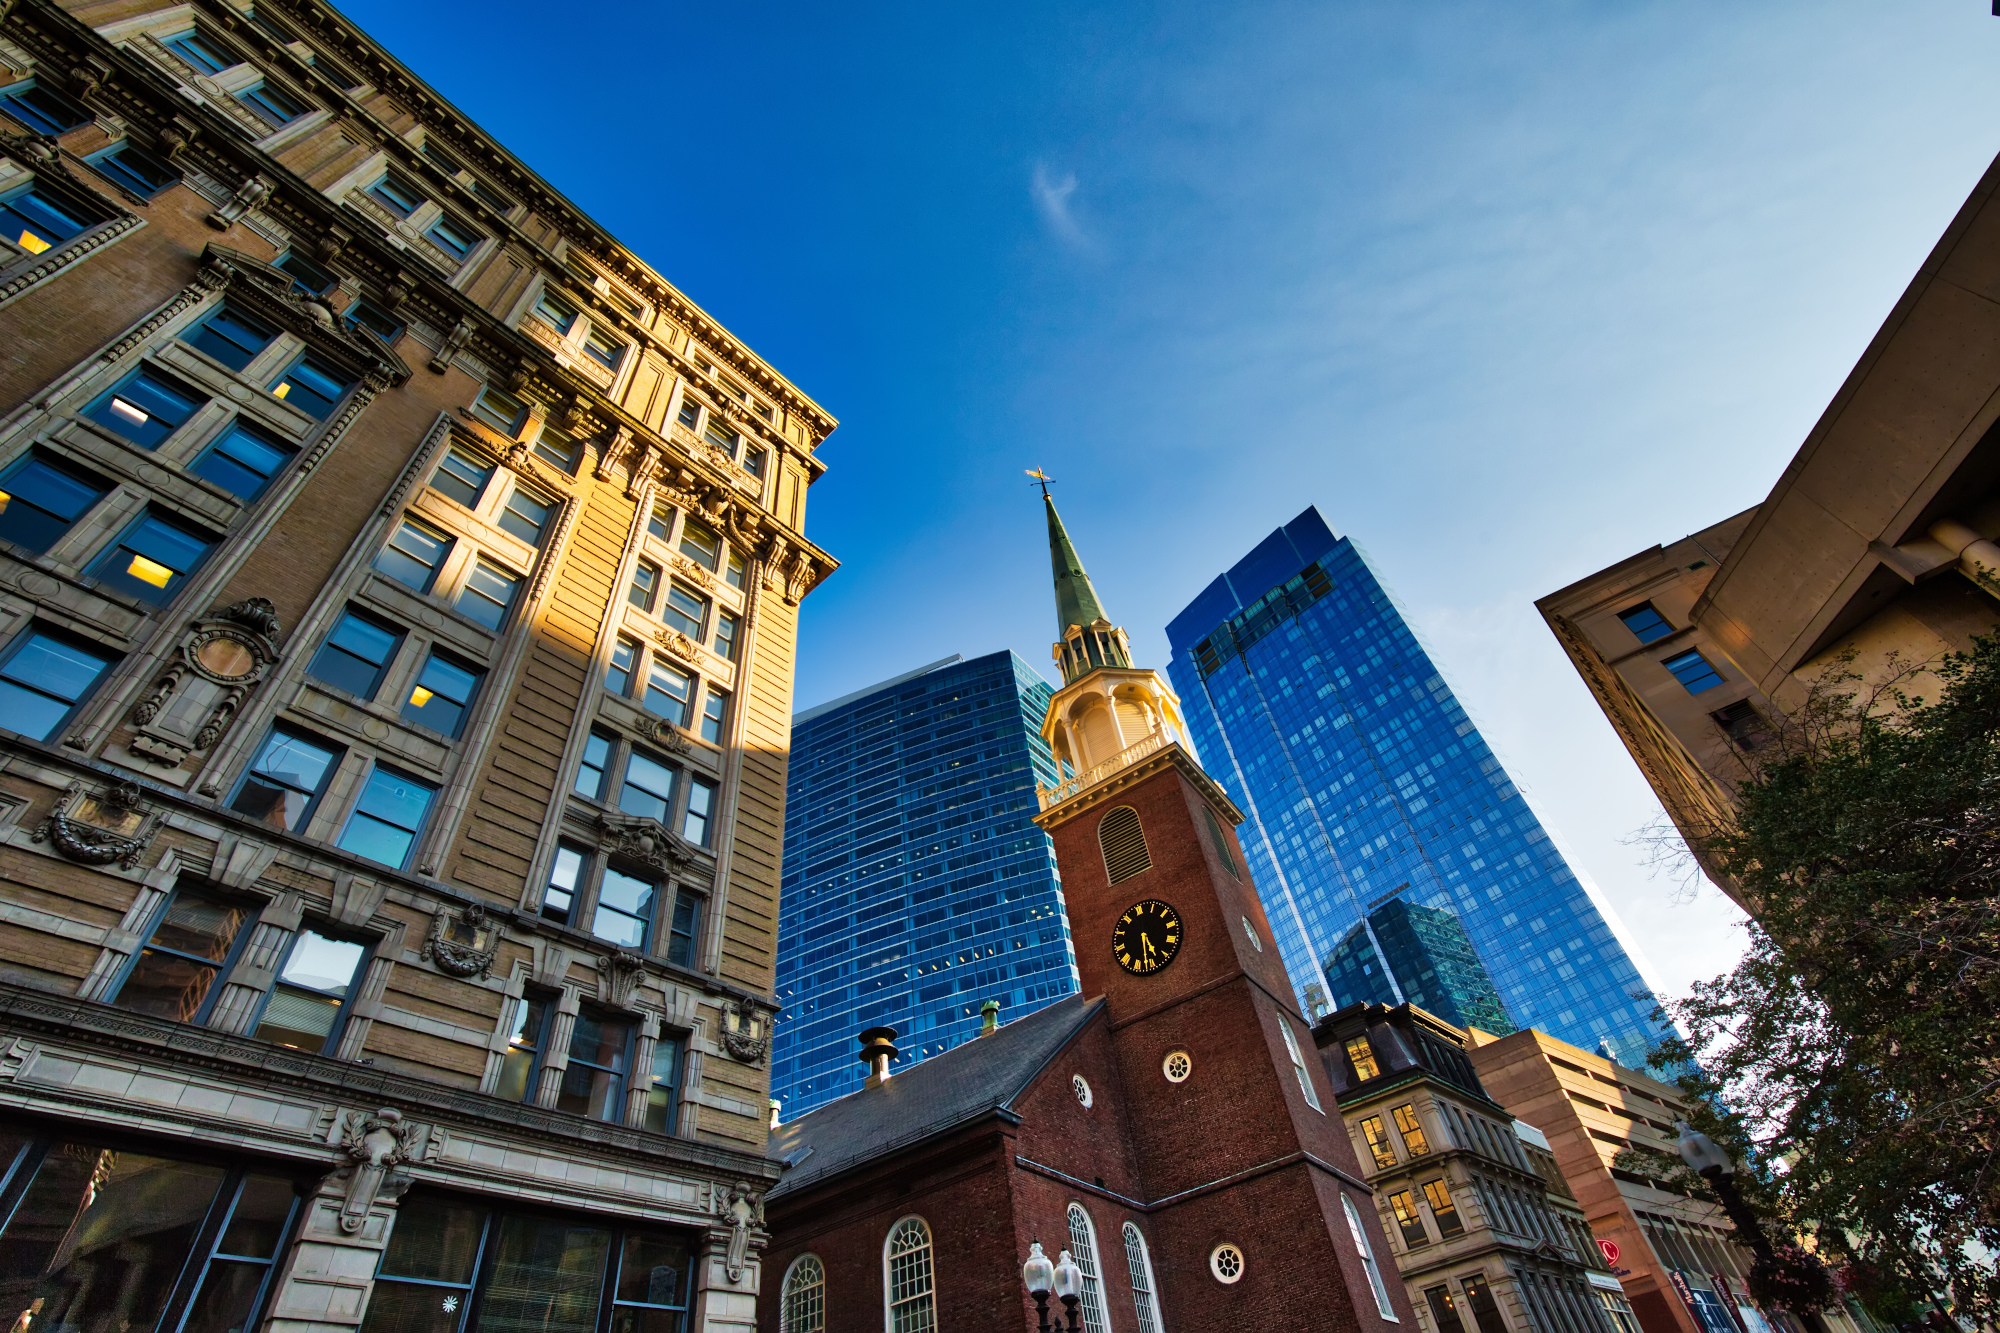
{"x":1509,"y":291}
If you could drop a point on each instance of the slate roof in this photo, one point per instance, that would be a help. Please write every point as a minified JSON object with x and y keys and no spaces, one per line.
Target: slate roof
{"x":940,"y":1094}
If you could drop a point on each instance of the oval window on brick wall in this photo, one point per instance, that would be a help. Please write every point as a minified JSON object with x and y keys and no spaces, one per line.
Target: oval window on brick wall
{"x":1124,"y":845}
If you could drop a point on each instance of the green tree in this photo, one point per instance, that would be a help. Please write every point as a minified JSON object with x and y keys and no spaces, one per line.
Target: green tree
{"x":1857,"y":1044}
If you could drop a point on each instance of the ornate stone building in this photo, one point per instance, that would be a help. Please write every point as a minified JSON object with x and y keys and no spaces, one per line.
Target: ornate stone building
{"x":398,"y":594}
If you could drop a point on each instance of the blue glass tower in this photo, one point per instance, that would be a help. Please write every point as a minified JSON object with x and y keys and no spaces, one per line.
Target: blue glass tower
{"x":916,"y":884}
{"x":1365,"y":782}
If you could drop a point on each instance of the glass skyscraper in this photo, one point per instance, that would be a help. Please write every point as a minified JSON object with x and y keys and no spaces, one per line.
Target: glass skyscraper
{"x":1428,"y":952}
{"x":916,"y":884}
{"x":1366,"y":783}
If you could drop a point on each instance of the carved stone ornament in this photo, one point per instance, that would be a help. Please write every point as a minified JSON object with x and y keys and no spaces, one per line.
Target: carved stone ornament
{"x":462,"y":943}
{"x":741,"y":1210}
{"x":646,"y":841}
{"x":681,"y":646}
{"x":374,"y":1144}
{"x":201,"y":688}
{"x":746,"y":1033}
{"x":663,"y":733}
{"x":96,"y":828}
{"x":618,"y":976}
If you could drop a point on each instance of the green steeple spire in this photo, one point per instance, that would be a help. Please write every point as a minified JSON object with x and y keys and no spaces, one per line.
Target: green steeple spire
{"x":1076,"y":600}
{"x":1088,"y":639}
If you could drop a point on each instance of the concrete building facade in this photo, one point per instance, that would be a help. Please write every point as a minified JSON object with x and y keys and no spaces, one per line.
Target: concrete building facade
{"x":398,"y":595}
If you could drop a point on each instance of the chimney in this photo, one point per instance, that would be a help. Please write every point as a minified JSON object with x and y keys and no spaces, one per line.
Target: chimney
{"x":989,"y":1018}
{"x":774,"y":1113}
{"x":878,"y":1048}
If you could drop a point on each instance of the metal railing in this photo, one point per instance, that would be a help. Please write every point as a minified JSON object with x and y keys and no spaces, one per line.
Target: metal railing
{"x":1125,"y":758}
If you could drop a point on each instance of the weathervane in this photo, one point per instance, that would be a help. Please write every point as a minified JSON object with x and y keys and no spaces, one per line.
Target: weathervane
{"x":1042,"y":479}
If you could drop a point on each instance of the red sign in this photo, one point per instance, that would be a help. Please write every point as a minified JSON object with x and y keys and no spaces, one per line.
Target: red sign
{"x":1611,"y":1251}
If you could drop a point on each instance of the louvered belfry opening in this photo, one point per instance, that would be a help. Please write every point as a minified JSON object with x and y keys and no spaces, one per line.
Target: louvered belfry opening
{"x":1124,"y":845}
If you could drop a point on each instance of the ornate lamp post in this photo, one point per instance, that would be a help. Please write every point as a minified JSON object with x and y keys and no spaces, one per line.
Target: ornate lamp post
{"x":1069,"y":1288}
{"x":1707,"y":1159}
{"x":1040,"y":1276}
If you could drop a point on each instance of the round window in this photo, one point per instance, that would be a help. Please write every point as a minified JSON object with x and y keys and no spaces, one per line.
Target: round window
{"x":1226,"y":1262}
{"x":1177,"y":1066}
{"x":1251,"y":931}
{"x":1076,"y":1081}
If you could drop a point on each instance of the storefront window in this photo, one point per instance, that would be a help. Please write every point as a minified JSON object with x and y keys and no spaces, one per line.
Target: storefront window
{"x":99,"y":1238}
{"x":459,"y":1268}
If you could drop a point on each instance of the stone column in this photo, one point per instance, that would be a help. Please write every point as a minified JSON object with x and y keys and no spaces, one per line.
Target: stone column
{"x":323,"y":1283}
{"x":555,"y":1051}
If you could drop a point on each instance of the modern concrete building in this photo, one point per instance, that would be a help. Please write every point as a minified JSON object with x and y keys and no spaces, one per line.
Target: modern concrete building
{"x":1484,"y":1237}
{"x":1364,"y":783}
{"x":398,"y":593}
{"x":916,"y":884}
{"x":1877,"y":540}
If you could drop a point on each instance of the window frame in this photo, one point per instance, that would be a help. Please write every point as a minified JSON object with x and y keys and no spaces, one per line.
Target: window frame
{"x":1369,"y":1264}
{"x":928,"y":1293}
{"x":230,"y":957}
{"x":538,"y":1050}
{"x":240,"y":425}
{"x":338,"y":755}
{"x":439,"y":653}
{"x":38,"y":121}
{"x":359,"y":981}
{"x":125,"y":177}
{"x":793,"y":1291}
{"x":618,"y":1101}
{"x":398,"y":636}
{"x":1694,"y":681}
{"x":61,"y":465}
{"x":1145,"y":1283}
{"x":98,"y":410}
{"x":1083,"y":1250}
{"x":355,"y":812}
{"x":99,"y":567}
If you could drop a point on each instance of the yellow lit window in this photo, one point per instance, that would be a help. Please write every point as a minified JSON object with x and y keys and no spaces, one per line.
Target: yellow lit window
{"x":1412,"y":1130}
{"x":1363,"y":1056}
{"x":149,"y":571}
{"x":420,"y":697}
{"x":282,"y":389}
{"x":32,"y":243}
{"x":1378,"y":1141}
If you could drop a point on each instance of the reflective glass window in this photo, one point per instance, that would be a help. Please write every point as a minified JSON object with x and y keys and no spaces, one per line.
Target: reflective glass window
{"x":146,"y":407}
{"x":397,"y":195}
{"x":700,"y":544}
{"x":725,"y":634}
{"x":700,"y":812}
{"x":243,"y":460}
{"x":559,"y":448}
{"x":41,"y":499}
{"x":565,"y":882}
{"x":624,"y":912}
{"x":557,"y":313}
{"x":462,"y":477}
{"x":600,"y":1051}
{"x":500,"y":410}
{"x":151,"y":559}
{"x":442,"y":695}
{"x":714,"y":710}
{"x":618,"y":676}
{"x":669,"y":692}
{"x":662,"y":1090}
{"x":174,"y":975}
{"x":488,"y":594}
{"x":524,"y":1049}
{"x":685,"y":929}
{"x":375,"y":319}
{"x":286,"y":779}
{"x":135,"y":169}
{"x":452,"y":237}
{"x":645,"y":585}
{"x":312,"y":386}
{"x":199,"y":51}
{"x":34,"y":220}
{"x":388,"y":817}
{"x":318,"y":982}
{"x":413,"y":555}
{"x":230,"y":336}
{"x":45,"y":676}
{"x":524,"y":516}
{"x":1693,"y":671}
{"x":591,"y":769}
{"x":43,"y":110}
{"x":685,"y":611}
{"x":648,"y":788}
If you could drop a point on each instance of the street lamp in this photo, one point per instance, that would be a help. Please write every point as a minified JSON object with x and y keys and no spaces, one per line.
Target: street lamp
{"x":1040,"y":1276}
{"x":1069,"y":1287}
{"x":1707,"y":1159}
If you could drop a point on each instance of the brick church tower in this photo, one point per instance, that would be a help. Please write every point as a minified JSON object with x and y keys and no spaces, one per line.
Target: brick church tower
{"x":1229,"y":1110}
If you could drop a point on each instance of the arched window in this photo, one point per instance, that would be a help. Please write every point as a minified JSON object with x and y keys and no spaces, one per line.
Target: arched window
{"x":1123,"y":843}
{"x":1083,"y":1249}
{"x":1144,"y":1303}
{"x":802,"y":1306}
{"x":1368,"y":1260}
{"x":909,"y":1294}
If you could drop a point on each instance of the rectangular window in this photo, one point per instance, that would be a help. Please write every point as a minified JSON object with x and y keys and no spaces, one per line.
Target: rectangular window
{"x":524,"y":1049}
{"x":660,"y":523}
{"x":720,"y":435}
{"x":366,"y":314}
{"x":44,"y":679}
{"x":312,"y":386}
{"x":600,"y":1050}
{"x":314,"y":992}
{"x":700,"y":544}
{"x":1444,"y":1310}
{"x":174,"y":975}
{"x":753,"y":461}
{"x":1443,"y":1210}
{"x":1299,"y":1065}
{"x":200,"y":52}
{"x":1404,"y":1205}
{"x":690,"y":413}
{"x":1378,"y":1141}
{"x":1645,"y":622}
{"x":443,"y":695}
{"x":43,"y":110}
{"x":388,"y":817}
{"x":645,"y":585}
{"x":669,"y":692}
{"x":286,"y":780}
{"x":604,"y":349}
{"x":700,"y":812}
{"x":725,"y":634}
{"x":684,"y":611}
{"x":500,"y":410}
{"x":146,"y":407}
{"x":1485,"y":1310}
{"x":735,"y":573}
{"x":151,"y":559}
{"x":413,"y":555}
{"x":618,"y":676}
{"x":648,"y":788}
{"x":714,"y":710}
{"x":1693,"y":671}
{"x":565,"y":882}
{"x":357,"y":654}
{"x":555,"y":312}
{"x":1412,"y":1130}
{"x":41,"y":499}
{"x":591,"y":769}
{"x":686,"y":929}
{"x":1743,"y":724}
{"x":397,"y":195}
{"x":34,"y":221}
{"x":307,"y":276}
{"x":553,"y":446}
{"x":462,"y":477}
{"x":524,"y":516}
{"x":231,"y":337}
{"x":243,"y":460}
{"x":488,"y":594}
{"x":663,"y":1090}
{"x":453,"y":238}
{"x":1362,"y":1056}
{"x":624,"y":912}
{"x":134,"y":169}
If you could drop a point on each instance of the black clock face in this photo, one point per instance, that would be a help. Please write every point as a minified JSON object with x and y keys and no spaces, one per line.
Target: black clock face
{"x":1147,"y":937}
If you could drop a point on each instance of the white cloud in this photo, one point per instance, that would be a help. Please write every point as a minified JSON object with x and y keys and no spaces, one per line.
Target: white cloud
{"x":1051,"y":196}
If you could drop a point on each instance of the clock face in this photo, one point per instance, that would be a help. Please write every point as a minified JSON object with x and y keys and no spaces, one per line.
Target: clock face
{"x":1147,"y":937}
